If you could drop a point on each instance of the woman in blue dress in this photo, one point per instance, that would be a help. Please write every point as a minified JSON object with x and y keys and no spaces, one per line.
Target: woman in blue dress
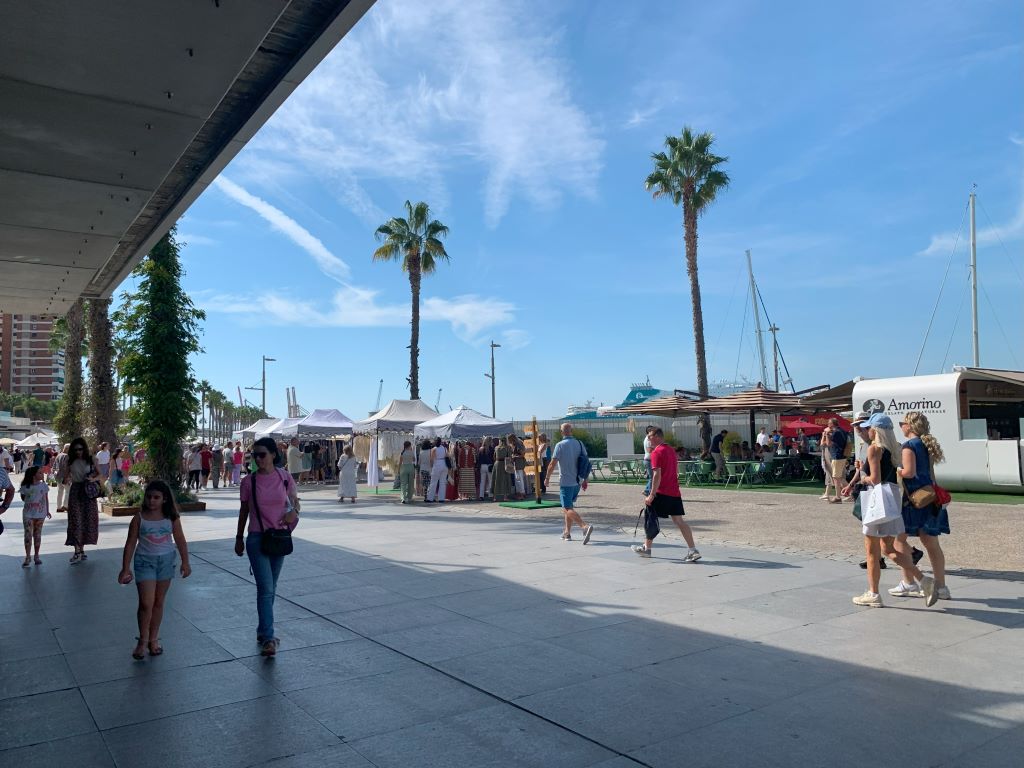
{"x":921,"y":452}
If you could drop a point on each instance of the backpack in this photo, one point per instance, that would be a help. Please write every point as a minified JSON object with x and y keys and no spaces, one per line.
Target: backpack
{"x":583,"y":467}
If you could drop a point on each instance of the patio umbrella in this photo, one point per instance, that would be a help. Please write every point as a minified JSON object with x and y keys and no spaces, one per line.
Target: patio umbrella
{"x":789,"y":428}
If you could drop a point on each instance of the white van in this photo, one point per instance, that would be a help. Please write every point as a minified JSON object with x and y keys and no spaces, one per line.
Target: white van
{"x":977,"y":414}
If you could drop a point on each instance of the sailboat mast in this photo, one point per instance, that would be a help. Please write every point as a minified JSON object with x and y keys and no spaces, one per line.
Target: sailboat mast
{"x":974,"y":286}
{"x":757,"y":320}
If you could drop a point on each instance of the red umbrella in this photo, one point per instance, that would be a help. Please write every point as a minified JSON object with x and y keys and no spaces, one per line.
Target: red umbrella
{"x":789,"y":428}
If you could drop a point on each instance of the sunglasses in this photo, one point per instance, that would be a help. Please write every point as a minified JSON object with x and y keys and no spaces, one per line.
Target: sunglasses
{"x":260,"y":454}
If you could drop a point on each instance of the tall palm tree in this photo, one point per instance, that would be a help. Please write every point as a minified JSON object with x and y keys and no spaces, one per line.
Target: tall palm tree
{"x":204,"y":390}
{"x":688,"y":172}
{"x":415,"y":241}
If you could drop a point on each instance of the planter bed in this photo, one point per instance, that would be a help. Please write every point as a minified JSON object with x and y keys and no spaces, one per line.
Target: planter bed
{"x":117,"y":510}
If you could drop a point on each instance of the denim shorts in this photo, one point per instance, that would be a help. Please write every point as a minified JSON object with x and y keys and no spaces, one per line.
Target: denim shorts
{"x":154,"y":567}
{"x":567,"y":495}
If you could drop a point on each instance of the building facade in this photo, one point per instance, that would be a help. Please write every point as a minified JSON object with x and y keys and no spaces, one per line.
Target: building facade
{"x":27,"y":365}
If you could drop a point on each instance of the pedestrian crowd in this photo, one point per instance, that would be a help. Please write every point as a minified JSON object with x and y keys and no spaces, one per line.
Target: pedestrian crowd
{"x":891,"y":484}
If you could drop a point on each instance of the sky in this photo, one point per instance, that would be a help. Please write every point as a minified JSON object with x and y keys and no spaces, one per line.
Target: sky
{"x":854,"y":134}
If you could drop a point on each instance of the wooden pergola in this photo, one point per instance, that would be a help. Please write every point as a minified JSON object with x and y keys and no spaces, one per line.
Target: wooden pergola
{"x":756,"y":400}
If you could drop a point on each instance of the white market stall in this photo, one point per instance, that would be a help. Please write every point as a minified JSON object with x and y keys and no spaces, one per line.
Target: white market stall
{"x":278,"y":430}
{"x":260,"y":426}
{"x":321,"y":423}
{"x":463,"y":423}
{"x":42,"y":438}
{"x":388,"y":429}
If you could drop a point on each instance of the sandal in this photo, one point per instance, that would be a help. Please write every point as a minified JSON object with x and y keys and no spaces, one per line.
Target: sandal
{"x":27,"y":563}
{"x":76,"y":558}
{"x":140,"y":650}
{"x":38,"y":560}
{"x":155,"y":651}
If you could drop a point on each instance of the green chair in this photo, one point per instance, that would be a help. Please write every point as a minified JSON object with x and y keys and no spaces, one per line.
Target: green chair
{"x":735,"y":471}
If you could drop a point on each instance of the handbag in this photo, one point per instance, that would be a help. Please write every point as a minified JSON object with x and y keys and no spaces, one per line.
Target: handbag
{"x":923,"y":497}
{"x":882,"y":504}
{"x":942,"y":496}
{"x":92,"y":490}
{"x":275,"y":542}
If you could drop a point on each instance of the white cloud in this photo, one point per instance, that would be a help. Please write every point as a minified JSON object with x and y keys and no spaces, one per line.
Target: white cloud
{"x":418,"y":89}
{"x":515,"y":338}
{"x":351,"y":306}
{"x":190,"y":238}
{"x":328,"y":263}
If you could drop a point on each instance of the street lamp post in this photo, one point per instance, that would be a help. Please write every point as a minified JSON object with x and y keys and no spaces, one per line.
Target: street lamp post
{"x":263,"y":387}
{"x":491,"y":377}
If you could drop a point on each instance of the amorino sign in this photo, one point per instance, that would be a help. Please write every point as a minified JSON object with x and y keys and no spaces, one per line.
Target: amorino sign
{"x":923,"y":405}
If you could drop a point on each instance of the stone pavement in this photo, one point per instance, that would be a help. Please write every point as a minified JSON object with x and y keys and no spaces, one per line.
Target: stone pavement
{"x":444,"y":636}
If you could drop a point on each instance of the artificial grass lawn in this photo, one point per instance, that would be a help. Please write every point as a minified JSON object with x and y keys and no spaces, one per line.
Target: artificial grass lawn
{"x":808,"y":487}
{"x":529,"y":504}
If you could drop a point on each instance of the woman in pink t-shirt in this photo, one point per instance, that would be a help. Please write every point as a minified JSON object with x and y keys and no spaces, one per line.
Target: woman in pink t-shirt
{"x":268,"y":500}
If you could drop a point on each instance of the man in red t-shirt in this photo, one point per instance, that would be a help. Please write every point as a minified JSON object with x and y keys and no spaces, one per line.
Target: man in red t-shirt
{"x":664,"y":500}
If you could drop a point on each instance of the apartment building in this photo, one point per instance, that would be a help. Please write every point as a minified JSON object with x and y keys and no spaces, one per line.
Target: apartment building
{"x":27,"y":366}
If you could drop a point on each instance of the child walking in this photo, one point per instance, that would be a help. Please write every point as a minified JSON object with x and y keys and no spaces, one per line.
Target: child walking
{"x":154,"y":534}
{"x":35,"y":494}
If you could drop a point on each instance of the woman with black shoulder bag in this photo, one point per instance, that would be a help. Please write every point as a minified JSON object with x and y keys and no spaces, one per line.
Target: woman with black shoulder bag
{"x":271,"y":505}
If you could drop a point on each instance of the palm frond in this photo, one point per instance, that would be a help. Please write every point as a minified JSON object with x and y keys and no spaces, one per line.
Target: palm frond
{"x":389,"y":251}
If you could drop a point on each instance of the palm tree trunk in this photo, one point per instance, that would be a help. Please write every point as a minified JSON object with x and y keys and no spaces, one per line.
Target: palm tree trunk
{"x":415,"y":277}
{"x":700,"y":356}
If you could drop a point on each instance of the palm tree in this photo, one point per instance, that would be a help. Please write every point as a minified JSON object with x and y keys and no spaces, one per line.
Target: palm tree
{"x":689,"y":173}
{"x":70,"y":335}
{"x":415,"y":241}
{"x":204,"y":390}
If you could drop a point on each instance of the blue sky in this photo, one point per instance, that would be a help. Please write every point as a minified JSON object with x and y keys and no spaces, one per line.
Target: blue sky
{"x":853,"y":131}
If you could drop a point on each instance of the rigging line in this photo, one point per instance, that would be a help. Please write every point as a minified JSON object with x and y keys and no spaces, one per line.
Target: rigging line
{"x":938,"y":299}
{"x":998,"y":324}
{"x":782,"y":358}
{"x":956,"y":322}
{"x":739,"y":347}
{"x":725,"y":318}
{"x":995,"y":231}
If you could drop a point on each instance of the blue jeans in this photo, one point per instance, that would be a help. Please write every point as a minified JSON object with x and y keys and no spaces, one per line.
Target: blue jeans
{"x":650,"y":476}
{"x":265,"y":570}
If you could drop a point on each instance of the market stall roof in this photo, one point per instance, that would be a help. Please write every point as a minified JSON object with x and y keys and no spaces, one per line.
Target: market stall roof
{"x":463,"y":422}
{"x":396,"y":416}
{"x":43,"y":438}
{"x":837,"y":398}
{"x":260,"y":425}
{"x":668,"y":405}
{"x":322,"y":422}
{"x":280,"y":427}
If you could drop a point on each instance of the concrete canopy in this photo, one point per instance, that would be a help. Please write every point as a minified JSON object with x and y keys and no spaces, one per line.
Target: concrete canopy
{"x":116,"y":117}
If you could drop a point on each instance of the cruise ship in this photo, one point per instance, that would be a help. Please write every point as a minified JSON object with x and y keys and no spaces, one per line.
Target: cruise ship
{"x":643,"y":391}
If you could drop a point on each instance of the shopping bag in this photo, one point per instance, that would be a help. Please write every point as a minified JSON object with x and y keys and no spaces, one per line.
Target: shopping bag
{"x":882,"y":505}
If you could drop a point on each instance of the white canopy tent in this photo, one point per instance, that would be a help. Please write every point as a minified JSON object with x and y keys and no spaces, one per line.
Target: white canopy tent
{"x":396,"y":416}
{"x":388,"y":429}
{"x":43,"y":438}
{"x":322,"y":422}
{"x":463,"y":422}
{"x":249,"y":433}
{"x":279,"y":428}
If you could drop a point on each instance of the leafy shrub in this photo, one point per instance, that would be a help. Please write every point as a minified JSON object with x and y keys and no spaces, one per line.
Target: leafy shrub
{"x":597,"y":445}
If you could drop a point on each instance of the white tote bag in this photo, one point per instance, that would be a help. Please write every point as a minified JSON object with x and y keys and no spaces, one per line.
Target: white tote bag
{"x":882,"y":504}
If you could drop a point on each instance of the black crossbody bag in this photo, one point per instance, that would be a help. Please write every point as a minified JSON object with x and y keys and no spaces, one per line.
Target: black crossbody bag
{"x":275,"y":542}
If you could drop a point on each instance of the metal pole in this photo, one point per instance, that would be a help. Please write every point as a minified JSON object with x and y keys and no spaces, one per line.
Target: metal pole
{"x":974,"y":286}
{"x":757,"y":321}
{"x":491,"y":377}
{"x":775,"y":353}
{"x":263,"y":388}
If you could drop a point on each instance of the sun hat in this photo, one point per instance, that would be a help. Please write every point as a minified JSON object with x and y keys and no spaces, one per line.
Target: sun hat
{"x":878,"y":421}
{"x":859,"y":417}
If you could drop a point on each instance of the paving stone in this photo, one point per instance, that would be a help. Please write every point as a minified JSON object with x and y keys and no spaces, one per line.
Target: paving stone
{"x":25,"y":677}
{"x":114,"y":662}
{"x":373,"y":622}
{"x":231,"y":736}
{"x":365,"y":706}
{"x":458,"y":637}
{"x":87,"y":751}
{"x":294,"y":633}
{"x":43,"y":717}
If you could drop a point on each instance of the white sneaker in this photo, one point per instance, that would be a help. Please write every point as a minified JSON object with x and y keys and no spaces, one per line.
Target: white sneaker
{"x":942,"y":593}
{"x":641,"y":550}
{"x":906,"y":590}
{"x":692,"y":556}
{"x":869,"y":599}
{"x":586,"y":534}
